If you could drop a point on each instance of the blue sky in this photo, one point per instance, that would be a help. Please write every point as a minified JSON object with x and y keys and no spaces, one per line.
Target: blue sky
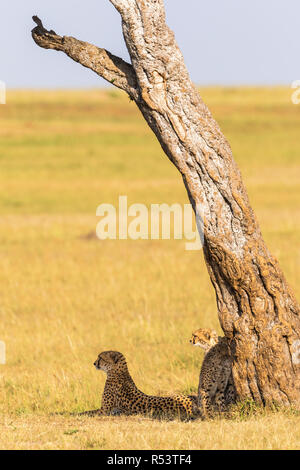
{"x":224,"y":42}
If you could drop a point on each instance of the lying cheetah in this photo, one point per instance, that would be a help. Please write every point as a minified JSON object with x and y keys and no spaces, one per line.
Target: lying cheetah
{"x":216,"y":387}
{"x":121,"y":396}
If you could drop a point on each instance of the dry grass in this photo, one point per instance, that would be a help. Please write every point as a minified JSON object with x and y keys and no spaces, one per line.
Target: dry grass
{"x":268,"y":432}
{"x":65,"y":297}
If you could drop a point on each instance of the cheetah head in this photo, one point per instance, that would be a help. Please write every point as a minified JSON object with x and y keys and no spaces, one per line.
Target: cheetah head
{"x":205,"y":338}
{"x":109,"y":361}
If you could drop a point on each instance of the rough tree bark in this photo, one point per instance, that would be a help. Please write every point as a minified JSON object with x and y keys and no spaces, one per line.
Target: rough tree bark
{"x":257,"y":309}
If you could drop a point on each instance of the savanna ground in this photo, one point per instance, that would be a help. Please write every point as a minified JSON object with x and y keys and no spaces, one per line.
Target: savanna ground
{"x":65,"y":296}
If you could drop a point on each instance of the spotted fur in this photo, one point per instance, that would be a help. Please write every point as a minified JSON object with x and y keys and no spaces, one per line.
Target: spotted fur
{"x":121,"y":396}
{"x":216,"y":391}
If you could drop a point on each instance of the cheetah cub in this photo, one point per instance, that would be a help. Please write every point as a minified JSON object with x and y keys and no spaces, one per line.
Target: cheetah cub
{"x":216,"y":389}
{"x":121,"y":396}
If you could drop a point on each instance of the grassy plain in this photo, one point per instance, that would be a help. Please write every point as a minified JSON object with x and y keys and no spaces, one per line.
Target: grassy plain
{"x":65,"y":296}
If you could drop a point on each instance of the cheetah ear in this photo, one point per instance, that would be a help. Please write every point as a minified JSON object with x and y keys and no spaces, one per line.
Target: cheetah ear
{"x":207,"y":334}
{"x":115,"y":357}
{"x":214,"y":335}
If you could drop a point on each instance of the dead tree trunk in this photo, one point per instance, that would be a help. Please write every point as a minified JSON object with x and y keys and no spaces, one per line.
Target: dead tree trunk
{"x":257,"y":309}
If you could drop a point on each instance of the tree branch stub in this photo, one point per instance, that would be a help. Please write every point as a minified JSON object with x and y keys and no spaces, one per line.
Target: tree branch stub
{"x":108,"y":66}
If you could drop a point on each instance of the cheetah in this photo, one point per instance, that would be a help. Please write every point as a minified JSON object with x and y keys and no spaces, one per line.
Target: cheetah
{"x":216,"y":389}
{"x":121,"y":396}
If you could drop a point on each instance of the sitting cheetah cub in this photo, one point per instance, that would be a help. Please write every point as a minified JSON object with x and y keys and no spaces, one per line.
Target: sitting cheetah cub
{"x":216,"y":389}
{"x":121,"y":396}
